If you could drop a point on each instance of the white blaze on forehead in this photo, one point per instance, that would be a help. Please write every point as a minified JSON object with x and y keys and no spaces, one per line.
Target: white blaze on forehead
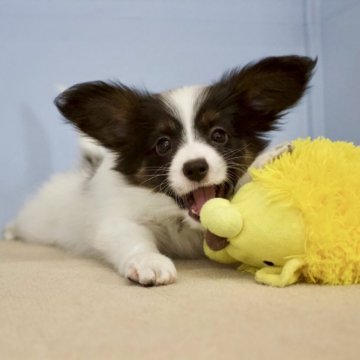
{"x":184,"y":102}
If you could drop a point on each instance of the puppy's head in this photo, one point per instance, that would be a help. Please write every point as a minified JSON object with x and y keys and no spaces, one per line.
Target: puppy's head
{"x":192,"y":143}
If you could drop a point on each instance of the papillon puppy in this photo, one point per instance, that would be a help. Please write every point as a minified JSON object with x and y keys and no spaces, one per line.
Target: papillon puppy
{"x":150,"y":161}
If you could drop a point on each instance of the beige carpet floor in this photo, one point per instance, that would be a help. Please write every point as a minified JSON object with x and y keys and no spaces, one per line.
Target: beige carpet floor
{"x":56,"y":306}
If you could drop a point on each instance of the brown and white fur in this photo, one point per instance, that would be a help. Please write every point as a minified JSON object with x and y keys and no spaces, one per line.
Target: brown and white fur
{"x":155,"y":159}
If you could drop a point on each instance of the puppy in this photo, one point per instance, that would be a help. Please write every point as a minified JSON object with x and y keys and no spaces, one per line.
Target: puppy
{"x":156,"y":159}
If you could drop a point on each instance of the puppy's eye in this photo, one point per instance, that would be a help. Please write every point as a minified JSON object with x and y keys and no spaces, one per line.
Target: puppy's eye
{"x":219,"y":136}
{"x":163,"y":146}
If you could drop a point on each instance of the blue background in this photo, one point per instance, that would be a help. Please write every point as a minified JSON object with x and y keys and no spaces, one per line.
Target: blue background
{"x":46,"y":46}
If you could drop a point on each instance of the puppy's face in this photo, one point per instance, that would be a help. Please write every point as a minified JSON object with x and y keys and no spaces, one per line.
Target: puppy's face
{"x":192,"y":143}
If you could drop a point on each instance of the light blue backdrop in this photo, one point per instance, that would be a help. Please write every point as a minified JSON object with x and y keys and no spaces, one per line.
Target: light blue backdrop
{"x":340,"y":27}
{"x":48,"y":45}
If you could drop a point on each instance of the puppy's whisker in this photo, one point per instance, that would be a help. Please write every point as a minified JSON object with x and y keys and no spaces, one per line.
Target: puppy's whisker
{"x":151,"y":179}
{"x":154,"y":175}
{"x":238,"y":167}
{"x":240,"y":150}
{"x":235,"y":151}
{"x":238,"y":155}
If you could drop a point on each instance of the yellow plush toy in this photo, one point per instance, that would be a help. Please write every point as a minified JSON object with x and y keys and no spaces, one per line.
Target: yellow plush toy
{"x":298,"y":218}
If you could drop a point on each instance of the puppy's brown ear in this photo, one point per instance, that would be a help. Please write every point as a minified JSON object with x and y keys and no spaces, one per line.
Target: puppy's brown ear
{"x":99,"y":109}
{"x":273,"y":84}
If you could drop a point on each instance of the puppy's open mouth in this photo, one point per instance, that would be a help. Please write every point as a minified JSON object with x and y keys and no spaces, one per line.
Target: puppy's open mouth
{"x":195,"y":200}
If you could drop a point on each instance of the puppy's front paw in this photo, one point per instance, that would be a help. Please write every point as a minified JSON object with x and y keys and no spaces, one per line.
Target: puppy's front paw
{"x":151,"y":269}
{"x":272,"y":154}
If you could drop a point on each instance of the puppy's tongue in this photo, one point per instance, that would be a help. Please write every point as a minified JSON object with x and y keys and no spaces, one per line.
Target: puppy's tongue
{"x":202,"y":195}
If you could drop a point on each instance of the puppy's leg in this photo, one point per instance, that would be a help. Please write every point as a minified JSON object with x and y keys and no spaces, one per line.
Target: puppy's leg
{"x":131,"y":248}
{"x":264,"y":159}
{"x":272,"y":154}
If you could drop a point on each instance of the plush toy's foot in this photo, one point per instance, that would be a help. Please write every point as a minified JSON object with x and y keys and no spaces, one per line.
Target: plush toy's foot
{"x":281,"y":276}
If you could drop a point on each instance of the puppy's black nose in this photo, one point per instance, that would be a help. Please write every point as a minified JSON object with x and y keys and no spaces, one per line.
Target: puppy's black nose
{"x":196,"y":170}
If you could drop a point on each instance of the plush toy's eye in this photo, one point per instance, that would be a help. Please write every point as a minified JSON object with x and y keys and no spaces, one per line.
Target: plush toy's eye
{"x":219,"y":136}
{"x":163,"y":146}
{"x":268,"y":263}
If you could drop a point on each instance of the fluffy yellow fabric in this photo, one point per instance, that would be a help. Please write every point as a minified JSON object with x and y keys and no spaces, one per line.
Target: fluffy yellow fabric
{"x":321,"y":178}
{"x":298,"y":217}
